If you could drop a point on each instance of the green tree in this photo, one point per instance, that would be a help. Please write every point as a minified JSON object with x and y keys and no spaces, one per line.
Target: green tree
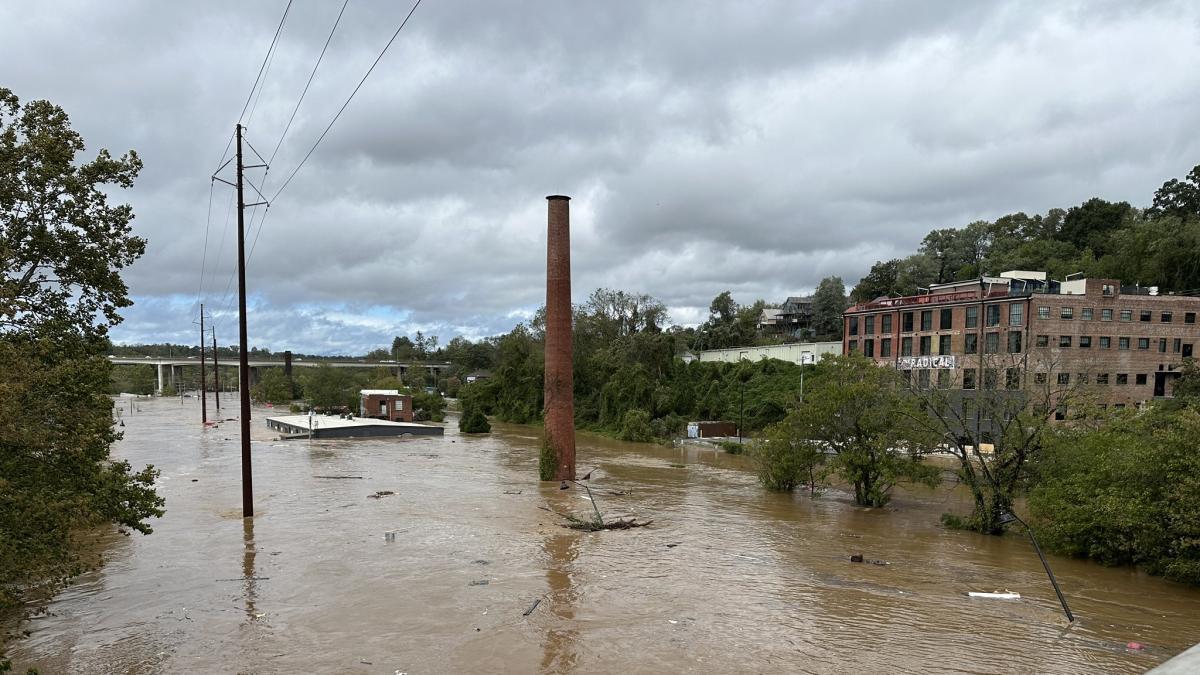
{"x":881,"y":281}
{"x":786,"y":458}
{"x":1127,"y":493}
{"x":635,"y":426}
{"x":473,"y":421}
{"x":1178,"y":198}
{"x":861,"y":414}
{"x":329,"y":388}
{"x":272,"y":387}
{"x":829,"y":302}
{"x":63,"y":244}
{"x":62,"y":247}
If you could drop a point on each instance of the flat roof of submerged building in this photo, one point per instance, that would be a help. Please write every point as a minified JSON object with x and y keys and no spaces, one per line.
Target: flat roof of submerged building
{"x":334,"y":426}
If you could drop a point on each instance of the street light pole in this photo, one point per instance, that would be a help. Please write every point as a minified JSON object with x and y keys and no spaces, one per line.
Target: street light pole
{"x":741,"y":410}
{"x":1008,"y":517}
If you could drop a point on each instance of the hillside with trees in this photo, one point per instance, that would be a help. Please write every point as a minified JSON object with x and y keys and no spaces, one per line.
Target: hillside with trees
{"x":1155,"y":246}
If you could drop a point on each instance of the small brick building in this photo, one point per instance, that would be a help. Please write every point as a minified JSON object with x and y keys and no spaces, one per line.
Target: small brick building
{"x":385,"y":404}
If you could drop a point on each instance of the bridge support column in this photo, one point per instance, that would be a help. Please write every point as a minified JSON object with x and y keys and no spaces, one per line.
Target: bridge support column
{"x":254,"y":375}
{"x":159,"y":391}
{"x":176,"y":377}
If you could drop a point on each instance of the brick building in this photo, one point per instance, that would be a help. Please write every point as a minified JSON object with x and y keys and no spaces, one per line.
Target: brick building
{"x":385,"y":404}
{"x":1123,"y":345}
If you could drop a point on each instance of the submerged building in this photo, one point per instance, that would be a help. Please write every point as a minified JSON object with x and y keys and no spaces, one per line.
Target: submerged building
{"x":1020,"y":330}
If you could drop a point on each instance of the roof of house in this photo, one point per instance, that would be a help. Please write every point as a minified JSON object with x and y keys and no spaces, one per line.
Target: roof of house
{"x":380,"y":392}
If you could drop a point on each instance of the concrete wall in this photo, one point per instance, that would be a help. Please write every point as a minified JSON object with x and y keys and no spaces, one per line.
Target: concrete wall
{"x":800,"y":352}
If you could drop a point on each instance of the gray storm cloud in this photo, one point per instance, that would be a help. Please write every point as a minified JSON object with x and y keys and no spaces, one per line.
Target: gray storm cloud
{"x":753,"y":146}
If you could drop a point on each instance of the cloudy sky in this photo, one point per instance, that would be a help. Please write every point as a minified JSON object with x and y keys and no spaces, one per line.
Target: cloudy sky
{"x":751,"y":146}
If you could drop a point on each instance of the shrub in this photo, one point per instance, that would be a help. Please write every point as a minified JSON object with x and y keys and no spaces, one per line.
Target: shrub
{"x":635,"y":426}
{"x":473,"y":421}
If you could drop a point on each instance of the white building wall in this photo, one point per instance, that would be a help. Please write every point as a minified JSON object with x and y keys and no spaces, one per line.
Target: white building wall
{"x":800,"y":352}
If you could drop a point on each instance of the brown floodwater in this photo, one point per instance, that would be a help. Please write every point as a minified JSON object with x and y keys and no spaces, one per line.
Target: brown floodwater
{"x":728,"y":578}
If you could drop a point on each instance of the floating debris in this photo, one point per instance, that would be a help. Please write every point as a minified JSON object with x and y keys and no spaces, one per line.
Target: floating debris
{"x":380,"y":494}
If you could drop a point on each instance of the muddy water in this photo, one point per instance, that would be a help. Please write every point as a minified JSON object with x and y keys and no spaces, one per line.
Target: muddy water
{"x":728,"y":578}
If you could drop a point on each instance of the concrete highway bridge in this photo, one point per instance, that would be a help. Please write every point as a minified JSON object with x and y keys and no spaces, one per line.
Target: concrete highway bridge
{"x":170,"y":370}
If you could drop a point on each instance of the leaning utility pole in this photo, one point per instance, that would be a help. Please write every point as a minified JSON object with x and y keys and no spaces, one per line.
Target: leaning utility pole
{"x":203,"y":392}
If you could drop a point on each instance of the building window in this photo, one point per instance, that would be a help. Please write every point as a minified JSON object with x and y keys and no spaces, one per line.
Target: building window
{"x":1189,"y":317}
{"x":854,"y":325}
{"x":1012,"y":378}
{"x":1123,"y":343}
{"x":1108,"y":291}
{"x":1085,"y":314}
{"x":993,"y":315}
{"x":1122,"y":378}
{"x":1043,"y":312}
{"x":945,"y":378}
{"x":1085,"y":342}
{"x":1016,"y":314}
{"x":885,"y":347}
{"x":969,"y":375}
{"x":868,"y":325}
{"x":926,"y":345}
{"x":1043,"y":341}
{"x":1067,"y":313}
{"x":1064,"y":341}
{"x":991,"y":343}
{"x":1176,"y":345}
{"x":1127,"y":315}
{"x":1102,"y":378}
{"x":971,"y":343}
{"x":1141,"y":378}
{"x":907,"y":375}
{"x":972,"y":317}
{"x":906,"y":346}
{"x":1106,"y":315}
{"x":1162,"y":345}
{"x":887,"y":323}
{"x":1039,"y":378}
{"x":1166,"y":317}
{"x":927,"y":319}
{"x":946,"y":321}
{"x":923,"y":378}
{"x":1105,"y":342}
{"x":1082,"y":378}
{"x":943,"y":344}
{"x":1144,"y":315}
{"x":1064,"y":378}
{"x":991,"y":378}
{"x":868,"y":347}
{"x":906,"y":320}
{"x":854,"y":345}
{"x":1143,"y":343}
{"x":1014,"y":342}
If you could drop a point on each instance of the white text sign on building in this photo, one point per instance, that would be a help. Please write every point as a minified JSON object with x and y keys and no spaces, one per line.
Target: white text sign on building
{"x":942,"y":362}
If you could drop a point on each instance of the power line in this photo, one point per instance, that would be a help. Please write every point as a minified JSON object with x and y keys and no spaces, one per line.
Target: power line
{"x":347,"y":103}
{"x":263,"y":67}
{"x":311,"y":75}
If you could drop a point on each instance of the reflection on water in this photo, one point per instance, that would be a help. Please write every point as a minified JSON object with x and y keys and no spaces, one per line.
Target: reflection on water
{"x":249,"y":551}
{"x":561,"y":640}
{"x":729,"y":578}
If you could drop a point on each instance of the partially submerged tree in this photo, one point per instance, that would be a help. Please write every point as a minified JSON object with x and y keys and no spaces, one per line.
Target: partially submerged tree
{"x":995,"y":421}
{"x":860,"y":414}
{"x":62,"y":247}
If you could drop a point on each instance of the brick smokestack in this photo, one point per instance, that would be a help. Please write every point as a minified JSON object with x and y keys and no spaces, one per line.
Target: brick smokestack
{"x":558,"y":448}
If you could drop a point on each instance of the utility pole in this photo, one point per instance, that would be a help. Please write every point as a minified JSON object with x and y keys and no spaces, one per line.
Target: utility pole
{"x":243,"y":352}
{"x":203,"y":393}
{"x":216,"y":375}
